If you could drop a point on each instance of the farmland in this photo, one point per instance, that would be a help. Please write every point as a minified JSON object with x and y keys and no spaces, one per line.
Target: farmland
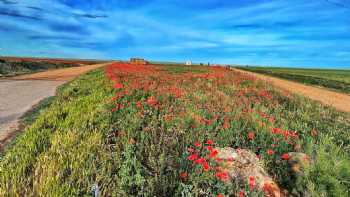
{"x":12,"y":66}
{"x":338,"y":80}
{"x":157,"y":130}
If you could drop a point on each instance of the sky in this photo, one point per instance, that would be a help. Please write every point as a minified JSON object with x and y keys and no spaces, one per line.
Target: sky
{"x":294,"y":33}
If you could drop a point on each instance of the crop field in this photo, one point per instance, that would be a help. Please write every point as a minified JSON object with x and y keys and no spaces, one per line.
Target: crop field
{"x":12,"y":66}
{"x":338,"y":80}
{"x":162,"y":130}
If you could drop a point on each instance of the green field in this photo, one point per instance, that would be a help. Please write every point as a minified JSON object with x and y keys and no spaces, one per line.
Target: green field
{"x":127,"y":130}
{"x":329,"y":78}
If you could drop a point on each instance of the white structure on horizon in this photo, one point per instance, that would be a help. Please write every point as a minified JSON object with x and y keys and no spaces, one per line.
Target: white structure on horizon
{"x":188,"y":63}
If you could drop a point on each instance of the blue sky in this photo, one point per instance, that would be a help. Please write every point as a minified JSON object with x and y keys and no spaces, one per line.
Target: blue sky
{"x":301,"y":33}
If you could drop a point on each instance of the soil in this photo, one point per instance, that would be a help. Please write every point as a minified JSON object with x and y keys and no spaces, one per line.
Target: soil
{"x":65,"y":74}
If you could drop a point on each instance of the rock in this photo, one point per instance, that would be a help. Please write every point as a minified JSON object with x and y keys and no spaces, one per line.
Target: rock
{"x":241,"y":165}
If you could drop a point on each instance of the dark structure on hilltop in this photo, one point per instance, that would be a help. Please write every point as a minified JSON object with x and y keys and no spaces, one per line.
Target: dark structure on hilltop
{"x":138,"y":61}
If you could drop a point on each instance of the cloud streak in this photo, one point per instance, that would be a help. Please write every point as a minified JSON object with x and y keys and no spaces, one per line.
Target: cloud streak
{"x":339,"y":4}
{"x":35,"y":8}
{"x":92,"y":16}
{"x":16,"y":14}
{"x":7,"y":2}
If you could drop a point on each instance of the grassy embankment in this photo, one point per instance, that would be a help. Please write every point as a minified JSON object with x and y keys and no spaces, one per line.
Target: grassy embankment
{"x":338,"y":80}
{"x":133,"y":139}
{"x":12,"y":68}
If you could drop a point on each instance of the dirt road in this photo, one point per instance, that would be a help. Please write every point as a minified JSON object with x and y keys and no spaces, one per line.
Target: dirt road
{"x":337,"y":100}
{"x":19,"y":94}
{"x":65,"y":74}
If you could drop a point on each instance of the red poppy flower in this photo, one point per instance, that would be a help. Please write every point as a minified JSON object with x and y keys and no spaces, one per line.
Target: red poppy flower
{"x":200,"y":160}
{"x":218,"y":159}
{"x":210,"y":148}
{"x":276,"y":130}
{"x":210,"y":142}
{"x":286,"y":134}
{"x":151,"y":101}
{"x":213,"y":154}
{"x":251,"y":182}
{"x":115,"y":98}
{"x":285,"y":156}
{"x":270,"y":152}
{"x":183,"y":175}
{"x":205,"y":166}
{"x":250,"y":136}
{"x":197,"y":144}
{"x":120,"y":106}
{"x":222,"y":176}
{"x":272,"y":120}
{"x":192,"y":157}
{"x":207,"y":122}
{"x":118,"y":86}
{"x":220,"y":195}
{"x":138,"y":104}
{"x":241,"y":194}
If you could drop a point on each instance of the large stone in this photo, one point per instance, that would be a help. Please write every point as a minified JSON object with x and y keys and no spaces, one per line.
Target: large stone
{"x":242,"y":164}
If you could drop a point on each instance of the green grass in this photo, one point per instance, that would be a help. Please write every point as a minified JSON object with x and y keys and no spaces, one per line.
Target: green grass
{"x":329,"y":78}
{"x":70,"y":133}
{"x":29,"y":118}
{"x":78,"y":142}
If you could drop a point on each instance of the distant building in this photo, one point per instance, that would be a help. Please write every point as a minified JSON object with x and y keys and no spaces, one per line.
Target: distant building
{"x":188,"y":63}
{"x":138,"y":61}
